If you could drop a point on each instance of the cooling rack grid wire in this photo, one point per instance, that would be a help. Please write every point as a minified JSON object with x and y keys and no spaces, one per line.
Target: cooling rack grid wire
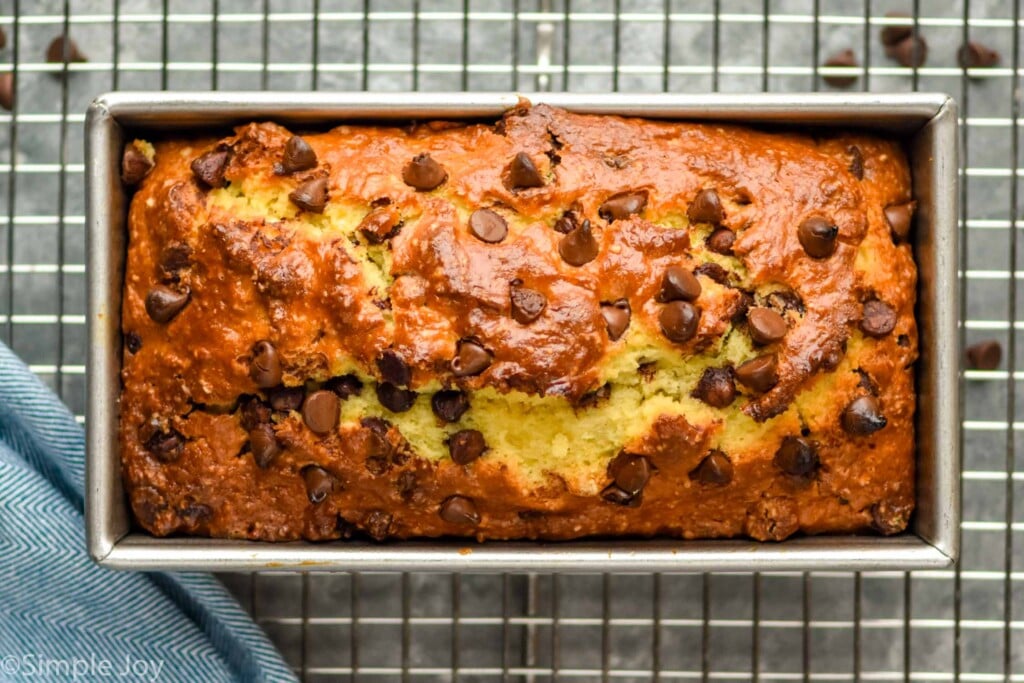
{"x":965,"y":624}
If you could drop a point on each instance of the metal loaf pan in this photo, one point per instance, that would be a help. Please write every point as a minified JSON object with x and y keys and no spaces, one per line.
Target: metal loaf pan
{"x":928,"y":123}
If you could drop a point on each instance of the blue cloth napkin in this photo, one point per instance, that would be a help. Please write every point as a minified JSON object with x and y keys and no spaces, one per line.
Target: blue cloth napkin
{"x":64,"y":618}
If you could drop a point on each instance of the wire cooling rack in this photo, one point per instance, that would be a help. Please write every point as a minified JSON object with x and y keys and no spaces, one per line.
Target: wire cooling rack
{"x":965,"y":624}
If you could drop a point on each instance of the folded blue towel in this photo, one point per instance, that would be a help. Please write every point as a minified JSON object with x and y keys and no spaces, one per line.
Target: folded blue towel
{"x":64,"y":618}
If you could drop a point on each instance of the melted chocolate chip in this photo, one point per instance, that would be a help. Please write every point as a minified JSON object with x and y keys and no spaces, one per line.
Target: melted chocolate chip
{"x":310,"y":196}
{"x":175,"y":257}
{"x":713,"y":271}
{"x":622,"y":205}
{"x":782,"y":300}
{"x":406,"y":485}
{"x":984,"y":355}
{"x":466,"y":446}
{"x":319,"y":483}
{"x":856,"y":166}
{"x":898,"y":216}
{"x":320,"y":412}
{"x":470,"y":359}
{"x":209,"y":168}
{"x":193,"y":514}
{"x":616,"y":317}
{"x":523,"y":174}
{"x":163,"y":304}
{"x":393,"y":368}
{"x":459,"y":510}
{"x":264,"y":445}
{"x":678,"y":284}
{"x":253,"y":412}
{"x":705,"y":208}
{"x":567,"y":222}
{"x":973,"y":55}
{"x":888,"y":518}
{"x":579,"y":247}
{"x":381,"y":224}
{"x":716,"y":387}
{"x":395,"y":399}
{"x":818,"y":237}
{"x":345,"y":386}
{"x":166,"y":446}
{"x":286,"y":399}
{"x":449,"y":404}
{"x":720,"y":241}
{"x":265,"y":367}
{"x":759,"y":374}
{"x":797,"y":457}
{"x":714,"y":470}
{"x":613,"y":494}
{"x":527,"y":304}
{"x":133,"y":342}
{"x":488,"y":226}
{"x":679,"y":320}
{"x":863,"y":416}
{"x":878,"y":319}
{"x":841,"y":58}
{"x":378,"y":524}
{"x":766,"y":326}
{"x":423,"y":173}
{"x":298,"y":156}
{"x":629,"y":472}
{"x":135,"y":165}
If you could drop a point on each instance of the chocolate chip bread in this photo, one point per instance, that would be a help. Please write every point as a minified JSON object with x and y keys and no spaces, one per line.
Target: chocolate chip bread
{"x":551,"y":327}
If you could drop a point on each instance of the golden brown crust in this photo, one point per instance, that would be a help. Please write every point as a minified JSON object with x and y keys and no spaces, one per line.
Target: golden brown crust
{"x":329,"y":309}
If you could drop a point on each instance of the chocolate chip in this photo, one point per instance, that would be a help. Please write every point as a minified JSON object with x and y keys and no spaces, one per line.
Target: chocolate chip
{"x":863,"y":416}
{"x":818,"y":237}
{"x":466,"y":446}
{"x":166,"y":446}
{"x":380,"y":225}
{"x":622,"y":205}
{"x":716,"y":387}
{"x":345,"y":386}
{"x":759,"y":374}
{"x":311,"y":195}
{"x":797,"y":457}
{"x":320,"y":411}
{"x":164,"y":303}
{"x":450,"y":404}
{"x":842,"y":58}
{"x":378,"y":524}
{"x":856,"y":166}
{"x":911,"y":52}
{"x":523,"y":174}
{"x":63,"y":49}
{"x":629,"y":472}
{"x":406,"y":485}
{"x":298,"y":156}
{"x":713,"y":271}
{"x":319,"y":483}
{"x":423,"y":173}
{"x":613,"y":494}
{"x":782,"y":300}
{"x":567,"y":222}
{"x":393,"y":368}
{"x":616,"y":317}
{"x":592,"y":398}
{"x":193,"y":514}
{"x":209,"y":168}
{"x":7,"y":90}
{"x":579,"y":247}
{"x":831,"y":358}
{"x":898,"y":216}
{"x":878,"y":319}
{"x":705,"y":208}
{"x":470,"y":359}
{"x":395,"y":399}
{"x":3,"y":39}
{"x":264,"y":445}
{"x":265,"y":367}
{"x":135,"y":165}
{"x":678,"y":284}
{"x":253,"y":412}
{"x":527,"y":304}
{"x":459,"y":510}
{"x":175,"y":257}
{"x":891,"y":35}
{"x":488,"y":226}
{"x":286,"y":399}
{"x":984,"y":355}
{"x":714,"y":470}
{"x":740,"y":307}
{"x":766,"y":326}
{"x":679,"y":321}
{"x":720,"y":241}
{"x":133,"y":342}
{"x":973,"y":55}
{"x":888,"y":518}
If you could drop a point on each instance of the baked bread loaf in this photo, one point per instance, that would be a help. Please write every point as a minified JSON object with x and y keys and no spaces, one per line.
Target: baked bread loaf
{"x":552,"y":327}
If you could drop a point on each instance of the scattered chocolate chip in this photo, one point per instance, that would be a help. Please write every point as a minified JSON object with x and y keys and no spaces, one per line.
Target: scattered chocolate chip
{"x":616,"y":317}
{"x":863,"y":416}
{"x":579,"y":247}
{"x":629,"y":472}
{"x":984,"y":355}
{"x":470,"y":359}
{"x":265,"y":367}
{"x":720,"y":241}
{"x":488,"y":226}
{"x":175,"y":257}
{"x":459,"y":510}
{"x":164,"y":303}
{"x":135,"y":165}
{"x":830,"y":358}
{"x":523,"y":174}
{"x":166,"y":446}
{"x":843,"y":58}
{"x":783,"y":300}
{"x":818,"y":237}
{"x":393,"y":368}
{"x":613,"y":494}
{"x":378,"y":524}
{"x":714,"y":470}
{"x":797,"y":457}
{"x":567,"y":222}
{"x":253,"y":412}
{"x":345,"y":386}
{"x":716,"y":387}
{"x":911,"y":52}
{"x":679,"y":321}
{"x":395,"y":399}
{"x":310,"y":196}
{"x":678,"y":284}
{"x":286,"y":398}
{"x":298,"y":156}
{"x":381,"y":224}
{"x":973,"y":55}
{"x":893,"y":34}
{"x":466,"y":446}
{"x":320,"y":411}
{"x":63,"y":49}
{"x":856,"y":166}
{"x":527,"y":304}
{"x":865,"y":381}
{"x":713,"y":271}
{"x":133,"y":342}
{"x":740,"y":307}
{"x":319,"y":483}
{"x":406,"y":485}
{"x":759,"y":374}
{"x":450,"y":404}
{"x":766,"y":326}
{"x":7,"y":90}
{"x":622,"y":205}
{"x":705,"y":208}
{"x":878,"y":318}
{"x":423,"y":173}
{"x":209,"y":168}
{"x":898,"y":216}
{"x":264,"y":445}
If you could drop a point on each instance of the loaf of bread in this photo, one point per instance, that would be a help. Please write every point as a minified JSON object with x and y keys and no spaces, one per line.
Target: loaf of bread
{"x":550,"y":327}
